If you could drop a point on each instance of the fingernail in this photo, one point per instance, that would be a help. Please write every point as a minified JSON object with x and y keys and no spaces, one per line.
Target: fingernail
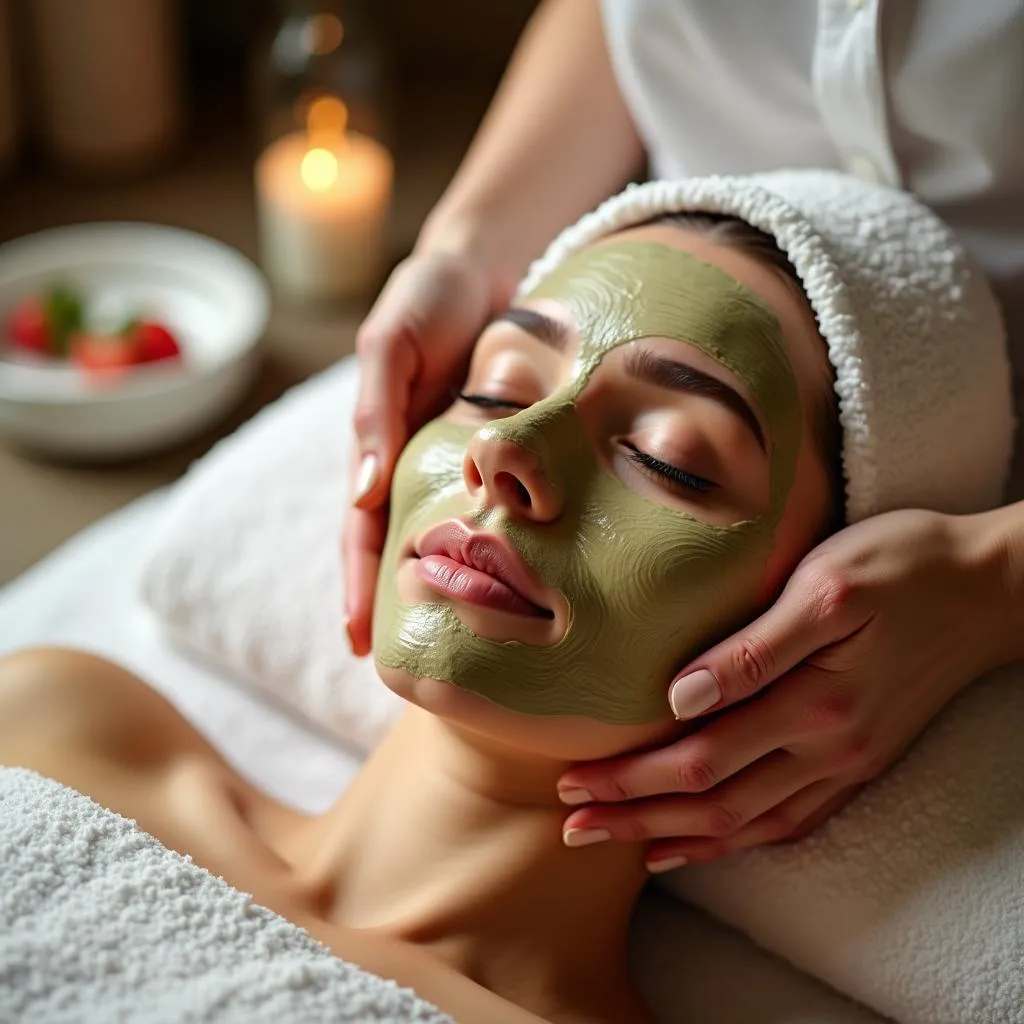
{"x":693,"y":694}
{"x":575,"y":796}
{"x":659,"y":867}
{"x":585,"y":836}
{"x":348,"y":633}
{"x":368,"y":472}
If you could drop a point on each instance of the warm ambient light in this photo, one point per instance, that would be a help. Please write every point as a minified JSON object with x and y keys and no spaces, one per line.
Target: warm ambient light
{"x":326,"y":120}
{"x":322,"y":34}
{"x":319,"y":169}
{"x":322,"y":195}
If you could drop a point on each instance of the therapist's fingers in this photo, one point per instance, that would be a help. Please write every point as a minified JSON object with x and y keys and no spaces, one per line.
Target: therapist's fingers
{"x":362,"y":542}
{"x":789,"y":821}
{"x":694,"y":764}
{"x":389,"y":362}
{"x":812,"y":613}
{"x":413,"y":348}
{"x":717,"y":814}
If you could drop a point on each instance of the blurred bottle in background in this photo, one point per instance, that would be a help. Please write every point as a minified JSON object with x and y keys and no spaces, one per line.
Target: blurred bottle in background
{"x":107,"y":79}
{"x":324,"y":174}
{"x":321,"y":47}
{"x":8,"y":99}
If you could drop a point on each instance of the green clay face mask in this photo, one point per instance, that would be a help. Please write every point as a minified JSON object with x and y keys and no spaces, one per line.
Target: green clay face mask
{"x":648,"y":586}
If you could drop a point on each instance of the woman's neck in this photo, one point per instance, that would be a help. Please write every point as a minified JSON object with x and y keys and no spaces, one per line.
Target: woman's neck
{"x":450,"y":841}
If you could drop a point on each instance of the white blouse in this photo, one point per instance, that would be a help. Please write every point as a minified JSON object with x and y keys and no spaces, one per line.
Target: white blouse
{"x":927,"y":95}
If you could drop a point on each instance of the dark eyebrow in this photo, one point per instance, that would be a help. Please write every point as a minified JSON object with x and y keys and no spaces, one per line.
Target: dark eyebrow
{"x":545,"y":329}
{"x":667,"y":373}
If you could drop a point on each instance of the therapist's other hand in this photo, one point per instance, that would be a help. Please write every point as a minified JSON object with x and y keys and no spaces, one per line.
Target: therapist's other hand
{"x":876,"y":630}
{"x":412,"y":348}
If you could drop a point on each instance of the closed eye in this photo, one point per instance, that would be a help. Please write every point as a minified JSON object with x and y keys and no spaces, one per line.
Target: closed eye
{"x":679,"y":478}
{"x":488,"y":401}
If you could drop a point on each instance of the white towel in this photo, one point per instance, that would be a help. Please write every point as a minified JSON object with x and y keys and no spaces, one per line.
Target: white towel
{"x":912,"y":898}
{"x":245,"y":567}
{"x":100,"y":923}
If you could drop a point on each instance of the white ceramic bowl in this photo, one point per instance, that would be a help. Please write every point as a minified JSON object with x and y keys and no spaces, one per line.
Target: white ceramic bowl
{"x":213,"y":299}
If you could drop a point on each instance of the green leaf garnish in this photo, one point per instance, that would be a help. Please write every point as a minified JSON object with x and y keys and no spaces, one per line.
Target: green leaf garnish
{"x":64,"y":314}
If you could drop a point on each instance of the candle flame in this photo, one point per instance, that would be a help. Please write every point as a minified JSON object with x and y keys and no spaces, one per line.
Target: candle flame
{"x":326,"y":118}
{"x":319,"y":169}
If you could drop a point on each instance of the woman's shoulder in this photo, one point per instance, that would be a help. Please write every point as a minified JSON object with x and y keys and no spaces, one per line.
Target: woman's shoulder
{"x":95,"y":727}
{"x":57,"y":703}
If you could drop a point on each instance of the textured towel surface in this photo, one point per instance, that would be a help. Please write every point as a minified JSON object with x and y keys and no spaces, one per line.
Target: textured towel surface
{"x":100,"y":923}
{"x":245,"y":567}
{"x":912,"y":898}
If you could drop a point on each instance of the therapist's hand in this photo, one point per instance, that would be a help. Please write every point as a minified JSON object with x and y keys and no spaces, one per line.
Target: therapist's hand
{"x":412,"y":348}
{"x":876,"y":630}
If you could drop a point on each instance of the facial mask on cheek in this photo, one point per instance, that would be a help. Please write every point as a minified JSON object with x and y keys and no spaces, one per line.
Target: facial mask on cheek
{"x":648,"y":586}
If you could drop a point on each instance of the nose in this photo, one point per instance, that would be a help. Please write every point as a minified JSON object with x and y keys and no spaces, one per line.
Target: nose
{"x":511,"y":477}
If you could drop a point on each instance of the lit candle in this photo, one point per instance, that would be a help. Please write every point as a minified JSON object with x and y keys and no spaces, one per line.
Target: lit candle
{"x":322,"y":200}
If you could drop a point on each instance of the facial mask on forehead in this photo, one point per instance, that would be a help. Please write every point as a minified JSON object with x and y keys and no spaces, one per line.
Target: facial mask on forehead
{"x":648,"y":586}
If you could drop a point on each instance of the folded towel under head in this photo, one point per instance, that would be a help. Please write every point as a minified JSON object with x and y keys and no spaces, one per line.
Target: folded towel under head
{"x":913,"y":330}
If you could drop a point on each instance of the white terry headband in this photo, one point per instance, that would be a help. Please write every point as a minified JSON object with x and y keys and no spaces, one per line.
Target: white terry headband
{"x":913,"y":330}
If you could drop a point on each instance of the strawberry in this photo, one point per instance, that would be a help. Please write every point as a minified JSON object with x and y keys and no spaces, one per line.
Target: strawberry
{"x":44,"y":323}
{"x":27,"y":326}
{"x":154,"y":342}
{"x":103,"y":353}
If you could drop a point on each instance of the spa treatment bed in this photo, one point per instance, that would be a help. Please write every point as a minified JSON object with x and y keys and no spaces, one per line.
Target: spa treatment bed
{"x":223,"y":593}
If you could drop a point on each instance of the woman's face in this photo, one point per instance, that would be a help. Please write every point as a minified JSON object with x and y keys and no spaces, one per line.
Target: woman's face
{"x":626,"y":477}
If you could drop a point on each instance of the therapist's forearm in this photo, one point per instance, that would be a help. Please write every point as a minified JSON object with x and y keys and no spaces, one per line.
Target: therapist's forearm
{"x":556,"y":140}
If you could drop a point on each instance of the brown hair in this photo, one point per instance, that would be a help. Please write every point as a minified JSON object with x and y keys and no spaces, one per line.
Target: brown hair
{"x":760,"y":245}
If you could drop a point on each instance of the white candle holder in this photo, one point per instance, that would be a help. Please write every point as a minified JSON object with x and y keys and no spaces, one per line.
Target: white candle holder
{"x":322,"y":198}
{"x":323,"y":181}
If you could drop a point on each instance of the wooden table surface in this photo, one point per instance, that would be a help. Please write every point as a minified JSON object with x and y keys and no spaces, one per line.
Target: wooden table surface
{"x":208,"y":189}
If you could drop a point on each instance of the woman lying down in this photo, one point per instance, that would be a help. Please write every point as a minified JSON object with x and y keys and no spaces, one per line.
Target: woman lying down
{"x":644,"y":447}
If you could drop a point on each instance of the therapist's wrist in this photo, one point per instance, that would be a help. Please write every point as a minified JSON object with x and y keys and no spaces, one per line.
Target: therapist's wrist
{"x":475,"y":239}
{"x":997,"y":545}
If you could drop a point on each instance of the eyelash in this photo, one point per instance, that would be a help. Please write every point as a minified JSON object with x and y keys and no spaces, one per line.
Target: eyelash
{"x":678,"y":477}
{"x":486,"y":402}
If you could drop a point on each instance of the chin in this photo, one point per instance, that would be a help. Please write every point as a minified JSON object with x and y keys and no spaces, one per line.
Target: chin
{"x":568,"y":738}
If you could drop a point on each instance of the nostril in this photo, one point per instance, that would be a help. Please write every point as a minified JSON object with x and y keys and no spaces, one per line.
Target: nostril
{"x":473,"y":476}
{"x":514,"y":487}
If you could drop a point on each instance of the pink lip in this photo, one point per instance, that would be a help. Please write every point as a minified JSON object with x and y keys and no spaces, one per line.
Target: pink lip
{"x":478,"y":568}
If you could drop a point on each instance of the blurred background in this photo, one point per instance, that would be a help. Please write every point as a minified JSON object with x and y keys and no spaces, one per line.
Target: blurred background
{"x":181,"y":113}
